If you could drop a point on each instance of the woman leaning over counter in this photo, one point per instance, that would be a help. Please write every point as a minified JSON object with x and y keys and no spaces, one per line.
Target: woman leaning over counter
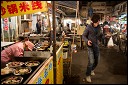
{"x":16,"y":50}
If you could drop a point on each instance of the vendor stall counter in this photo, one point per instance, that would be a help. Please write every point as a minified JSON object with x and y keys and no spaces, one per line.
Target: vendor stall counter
{"x":41,"y":74}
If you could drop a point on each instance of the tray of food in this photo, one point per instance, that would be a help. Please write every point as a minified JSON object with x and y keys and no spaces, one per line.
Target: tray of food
{"x":22,"y":70}
{"x":14,"y":64}
{"x":12,"y":80}
{"x":6,"y":70}
{"x":41,"y":49}
{"x":44,"y":46}
{"x":32,"y":63}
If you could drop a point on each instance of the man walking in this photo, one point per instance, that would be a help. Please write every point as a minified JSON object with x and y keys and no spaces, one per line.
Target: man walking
{"x":91,"y":36}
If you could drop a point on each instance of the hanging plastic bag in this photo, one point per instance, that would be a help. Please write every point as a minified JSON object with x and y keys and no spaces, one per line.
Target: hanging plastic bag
{"x":110,"y":42}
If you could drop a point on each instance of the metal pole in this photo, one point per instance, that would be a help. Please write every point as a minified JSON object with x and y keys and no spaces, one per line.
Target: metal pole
{"x":8,"y":30}
{"x":49,"y":26}
{"x":75,"y":25}
{"x":54,"y":40}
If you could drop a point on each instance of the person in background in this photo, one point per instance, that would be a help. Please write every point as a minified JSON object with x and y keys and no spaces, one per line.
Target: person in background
{"x":68,"y":28}
{"x":16,"y":50}
{"x":106,"y":31}
{"x":91,"y":36}
{"x":107,"y":21}
{"x":38,"y":26}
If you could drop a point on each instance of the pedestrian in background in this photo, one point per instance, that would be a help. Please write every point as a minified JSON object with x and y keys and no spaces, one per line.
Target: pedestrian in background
{"x":91,"y":36}
{"x":106,"y":31}
{"x":38,"y":26}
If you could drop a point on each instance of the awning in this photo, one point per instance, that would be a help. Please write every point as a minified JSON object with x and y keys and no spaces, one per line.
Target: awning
{"x":68,"y":7}
{"x":71,"y":4}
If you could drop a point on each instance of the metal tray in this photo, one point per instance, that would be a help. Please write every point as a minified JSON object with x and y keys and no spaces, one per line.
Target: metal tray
{"x":27,"y":77}
{"x":14,"y":63}
{"x":17,"y":71}
{"x":30,"y":62}
{"x":11,"y":80}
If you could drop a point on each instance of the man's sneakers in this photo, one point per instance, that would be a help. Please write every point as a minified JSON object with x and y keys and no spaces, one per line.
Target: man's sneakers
{"x":92,"y":73}
{"x":88,"y":79}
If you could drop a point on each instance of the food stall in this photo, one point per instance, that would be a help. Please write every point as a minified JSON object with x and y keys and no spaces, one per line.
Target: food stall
{"x":45,"y":72}
{"x":40,"y":73}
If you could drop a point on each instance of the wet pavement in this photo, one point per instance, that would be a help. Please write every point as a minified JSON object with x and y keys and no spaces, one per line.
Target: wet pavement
{"x":112,"y":68}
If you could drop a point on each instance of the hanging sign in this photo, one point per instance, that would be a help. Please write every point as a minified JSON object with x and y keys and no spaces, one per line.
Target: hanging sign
{"x":16,"y":8}
{"x":6,"y":24}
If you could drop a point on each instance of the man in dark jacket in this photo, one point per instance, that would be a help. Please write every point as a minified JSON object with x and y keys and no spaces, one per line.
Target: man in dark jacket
{"x":91,"y":36}
{"x":38,"y":26}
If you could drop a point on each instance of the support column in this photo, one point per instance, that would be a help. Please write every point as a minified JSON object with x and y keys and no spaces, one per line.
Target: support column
{"x":54,"y":40}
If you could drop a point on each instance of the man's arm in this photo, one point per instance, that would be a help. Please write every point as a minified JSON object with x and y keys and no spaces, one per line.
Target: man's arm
{"x":85,"y":35}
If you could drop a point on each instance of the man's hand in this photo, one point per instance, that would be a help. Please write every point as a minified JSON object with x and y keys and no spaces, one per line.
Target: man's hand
{"x":89,"y":43}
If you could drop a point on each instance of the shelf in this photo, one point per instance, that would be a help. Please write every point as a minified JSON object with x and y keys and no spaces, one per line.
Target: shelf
{"x":29,"y":20}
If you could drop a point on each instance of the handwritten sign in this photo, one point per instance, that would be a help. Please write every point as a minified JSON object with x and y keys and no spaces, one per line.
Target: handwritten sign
{"x":16,"y":8}
{"x":45,"y":74}
{"x":59,"y":63}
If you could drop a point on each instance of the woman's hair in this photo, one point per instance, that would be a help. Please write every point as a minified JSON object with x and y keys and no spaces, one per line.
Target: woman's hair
{"x":20,"y":38}
{"x":95,"y":18}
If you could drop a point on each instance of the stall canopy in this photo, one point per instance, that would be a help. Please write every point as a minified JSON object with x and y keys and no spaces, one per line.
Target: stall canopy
{"x":68,"y":7}
{"x":71,"y":4}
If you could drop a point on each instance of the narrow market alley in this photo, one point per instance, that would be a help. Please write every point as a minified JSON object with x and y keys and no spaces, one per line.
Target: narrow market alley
{"x":112,"y":68}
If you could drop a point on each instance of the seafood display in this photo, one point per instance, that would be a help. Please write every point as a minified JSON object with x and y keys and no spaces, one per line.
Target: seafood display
{"x":40,"y":49}
{"x":22,"y":70}
{"x":14,"y":64}
{"x":32,"y":63}
{"x":12,"y":80}
{"x":6,"y":70}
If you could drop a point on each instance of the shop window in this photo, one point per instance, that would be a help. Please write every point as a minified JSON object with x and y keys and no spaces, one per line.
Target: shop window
{"x":25,"y":26}
{"x":22,"y":16}
{"x":28,"y":16}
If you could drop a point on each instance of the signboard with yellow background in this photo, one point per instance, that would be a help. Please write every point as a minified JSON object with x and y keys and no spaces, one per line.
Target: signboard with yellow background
{"x":59,"y":64}
{"x":16,"y":8}
{"x":45,"y":74}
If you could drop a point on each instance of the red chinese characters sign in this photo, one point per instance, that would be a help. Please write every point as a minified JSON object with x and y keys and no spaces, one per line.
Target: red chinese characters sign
{"x":16,"y":8}
{"x":6,"y":24}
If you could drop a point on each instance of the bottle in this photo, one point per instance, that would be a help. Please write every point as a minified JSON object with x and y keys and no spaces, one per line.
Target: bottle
{"x":51,"y":49}
{"x":63,"y":33}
